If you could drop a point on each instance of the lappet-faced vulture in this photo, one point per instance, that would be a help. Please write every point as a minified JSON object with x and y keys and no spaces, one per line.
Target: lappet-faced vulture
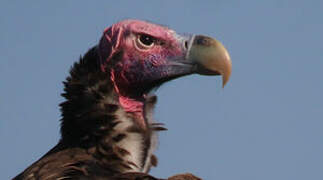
{"x":107,"y":128}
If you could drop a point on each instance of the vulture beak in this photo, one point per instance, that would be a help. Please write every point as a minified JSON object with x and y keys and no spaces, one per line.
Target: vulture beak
{"x":210,"y":57}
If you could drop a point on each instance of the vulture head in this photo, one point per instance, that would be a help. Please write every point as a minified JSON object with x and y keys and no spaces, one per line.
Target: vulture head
{"x":149,"y":54}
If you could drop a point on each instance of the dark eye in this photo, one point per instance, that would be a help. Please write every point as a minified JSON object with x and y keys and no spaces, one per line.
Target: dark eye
{"x":146,"y":40}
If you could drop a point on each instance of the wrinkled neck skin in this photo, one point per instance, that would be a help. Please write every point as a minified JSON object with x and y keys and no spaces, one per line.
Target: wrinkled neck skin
{"x":98,"y":118}
{"x":132,"y":105}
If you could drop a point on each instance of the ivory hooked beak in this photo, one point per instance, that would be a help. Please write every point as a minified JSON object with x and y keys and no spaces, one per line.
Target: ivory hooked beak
{"x":211,"y":57}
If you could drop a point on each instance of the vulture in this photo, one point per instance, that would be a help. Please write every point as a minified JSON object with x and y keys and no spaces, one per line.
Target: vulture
{"x":107,"y":127}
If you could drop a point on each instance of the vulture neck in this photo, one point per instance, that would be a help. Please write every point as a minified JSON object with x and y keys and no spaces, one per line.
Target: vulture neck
{"x":94,"y":119}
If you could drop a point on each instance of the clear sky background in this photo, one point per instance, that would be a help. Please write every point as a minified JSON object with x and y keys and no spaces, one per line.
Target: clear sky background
{"x":266,"y":124}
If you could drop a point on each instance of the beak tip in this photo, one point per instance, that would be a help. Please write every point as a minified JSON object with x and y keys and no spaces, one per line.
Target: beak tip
{"x":224,"y":81}
{"x":226,"y":75}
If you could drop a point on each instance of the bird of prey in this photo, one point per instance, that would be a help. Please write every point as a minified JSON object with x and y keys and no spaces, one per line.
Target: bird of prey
{"x":107,"y":126}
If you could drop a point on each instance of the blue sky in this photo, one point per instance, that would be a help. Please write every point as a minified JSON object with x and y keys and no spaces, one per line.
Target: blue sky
{"x":265,"y":124}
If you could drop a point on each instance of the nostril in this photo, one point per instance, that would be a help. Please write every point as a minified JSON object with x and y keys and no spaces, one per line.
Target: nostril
{"x":186,"y":45}
{"x":203,"y":40}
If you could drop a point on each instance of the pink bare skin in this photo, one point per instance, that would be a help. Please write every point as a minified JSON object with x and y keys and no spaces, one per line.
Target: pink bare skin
{"x":138,"y":57}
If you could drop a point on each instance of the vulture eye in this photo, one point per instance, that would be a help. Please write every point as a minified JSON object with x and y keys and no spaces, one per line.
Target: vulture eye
{"x":145,"y":41}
